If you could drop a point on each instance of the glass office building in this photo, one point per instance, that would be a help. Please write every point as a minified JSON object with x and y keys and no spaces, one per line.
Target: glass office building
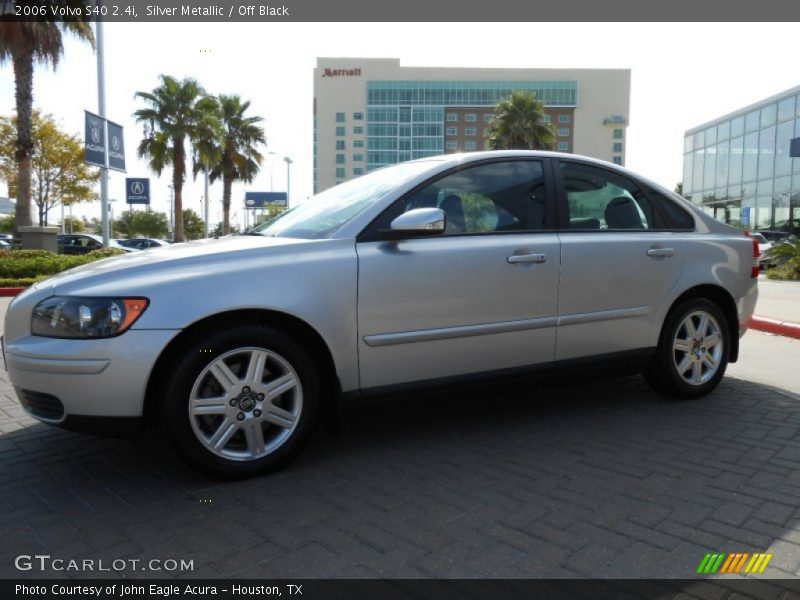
{"x":369,"y":113}
{"x":738,"y":169}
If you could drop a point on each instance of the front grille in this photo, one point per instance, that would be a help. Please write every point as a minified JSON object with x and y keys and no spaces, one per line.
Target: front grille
{"x":42,"y":406}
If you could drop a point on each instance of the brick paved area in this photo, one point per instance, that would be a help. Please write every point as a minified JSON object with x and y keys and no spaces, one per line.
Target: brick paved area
{"x":598,"y":479}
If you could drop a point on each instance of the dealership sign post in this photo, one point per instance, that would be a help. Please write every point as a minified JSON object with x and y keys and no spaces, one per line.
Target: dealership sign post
{"x":261,"y":200}
{"x":137,"y":190}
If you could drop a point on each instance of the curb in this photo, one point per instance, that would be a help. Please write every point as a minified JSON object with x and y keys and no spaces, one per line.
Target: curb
{"x":10,"y":291}
{"x":785,"y":328}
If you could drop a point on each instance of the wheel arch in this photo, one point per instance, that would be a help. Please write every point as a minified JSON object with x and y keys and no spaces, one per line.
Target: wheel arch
{"x":723,"y":299}
{"x":308,"y":335}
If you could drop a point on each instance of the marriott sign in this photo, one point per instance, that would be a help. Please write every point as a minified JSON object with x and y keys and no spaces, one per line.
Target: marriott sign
{"x":342,"y":73}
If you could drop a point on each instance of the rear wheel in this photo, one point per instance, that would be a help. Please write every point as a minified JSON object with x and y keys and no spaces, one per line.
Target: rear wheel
{"x":242,"y":401}
{"x":693,"y":351}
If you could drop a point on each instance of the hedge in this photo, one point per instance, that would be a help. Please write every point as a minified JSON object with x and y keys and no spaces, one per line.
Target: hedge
{"x":21,"y":268}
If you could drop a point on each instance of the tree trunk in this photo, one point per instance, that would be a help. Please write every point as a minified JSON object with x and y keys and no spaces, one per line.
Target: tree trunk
{"x":227,"y":183}
{"x":23,"y":77}
{"x":179,"y":167}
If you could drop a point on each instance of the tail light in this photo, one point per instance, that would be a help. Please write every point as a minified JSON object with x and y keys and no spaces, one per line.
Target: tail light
{"x":755,"y":269}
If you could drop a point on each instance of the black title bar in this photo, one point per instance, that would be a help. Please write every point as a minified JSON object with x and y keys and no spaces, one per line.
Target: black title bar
{"x":221,"y":11}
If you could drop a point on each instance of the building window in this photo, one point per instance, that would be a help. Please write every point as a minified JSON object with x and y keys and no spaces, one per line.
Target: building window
{"x":548,"y":119}
{"x":470,"y":145}
{"x":358,"y":143}
{"x":470,"y":117}
{"x":452,"y":117}
{"x":618,"y":134}
{"x":340,"y":144}
{"x":358,"y":116}
{"x":563,"y":132}
{"x":340,"y":131}
{"x":340,"y":117}
{"x":470,"y":131}
{"x":451,"y":131}
{"x":358,"y":158}
{"x":340,"y":172}
{"x":563,"y":118}
{"x":563,"y":146}
{"x":358,"y":171}
{"x":617,"y":146}
{"x":358,"y":130}
{"x":340,"y":159}
{"x":451,"y":145}
{"x":488,"y":117}
{"x":617,"y":160}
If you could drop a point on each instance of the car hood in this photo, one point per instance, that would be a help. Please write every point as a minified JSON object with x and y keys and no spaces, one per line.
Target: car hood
{"x":184,"y":257}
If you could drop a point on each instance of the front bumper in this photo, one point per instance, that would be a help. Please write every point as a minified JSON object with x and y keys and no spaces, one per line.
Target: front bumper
{"x":90,"y":378}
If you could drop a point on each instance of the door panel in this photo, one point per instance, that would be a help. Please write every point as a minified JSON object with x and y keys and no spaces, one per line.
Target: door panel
{"x":611,"y":290}
{"x":480,"y":297}
{"x":463,"y":305}
{"x":617,"y":264}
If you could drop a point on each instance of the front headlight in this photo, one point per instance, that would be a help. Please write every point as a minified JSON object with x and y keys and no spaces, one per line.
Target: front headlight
{"x":85,"y":318}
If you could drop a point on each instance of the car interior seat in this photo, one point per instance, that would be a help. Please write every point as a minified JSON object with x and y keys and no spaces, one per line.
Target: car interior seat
{"x":454,"y":211}
{"x":622,"y":213}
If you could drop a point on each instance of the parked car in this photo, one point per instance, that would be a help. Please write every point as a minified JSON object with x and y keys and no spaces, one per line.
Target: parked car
{"x":763,"y":246}
{"x":83,"y":243}
{"x":143,"y":243}
{"x":425,"y":273}
{"x":773,"y":236}
{"x":4,"y":243}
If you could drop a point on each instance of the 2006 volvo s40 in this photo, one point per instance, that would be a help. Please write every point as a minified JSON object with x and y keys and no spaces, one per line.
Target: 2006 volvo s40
{"x":429,"y":271}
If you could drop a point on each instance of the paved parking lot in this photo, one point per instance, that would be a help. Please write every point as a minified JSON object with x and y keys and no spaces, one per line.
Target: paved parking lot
{"x":598,"y":478}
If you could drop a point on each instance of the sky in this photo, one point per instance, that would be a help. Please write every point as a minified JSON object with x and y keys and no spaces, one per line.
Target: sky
{"x":682,"y":75}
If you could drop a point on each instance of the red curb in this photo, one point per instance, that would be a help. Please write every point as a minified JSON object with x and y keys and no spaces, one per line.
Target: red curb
{"x":785,"y":328}
{"x":9,"y":291}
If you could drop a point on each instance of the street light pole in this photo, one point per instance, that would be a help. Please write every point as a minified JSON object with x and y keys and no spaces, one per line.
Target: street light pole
{"x":101,"y":101}
{"x":288,"y":162}
{"x":205,"y":208}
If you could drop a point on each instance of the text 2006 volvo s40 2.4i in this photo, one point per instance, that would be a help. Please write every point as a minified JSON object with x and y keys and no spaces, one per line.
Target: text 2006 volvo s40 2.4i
{"x":430,"y":271}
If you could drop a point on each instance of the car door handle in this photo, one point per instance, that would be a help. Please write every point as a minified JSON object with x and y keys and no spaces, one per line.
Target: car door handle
{"x":656,"y":252}
{"x":527,"y":258}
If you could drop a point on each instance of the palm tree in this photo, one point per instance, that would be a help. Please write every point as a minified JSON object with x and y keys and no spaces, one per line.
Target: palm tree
{"x":24,"y":44}
{"x":176,"y":112}
{"x":519,"y":124}
{"x":233,"y":156}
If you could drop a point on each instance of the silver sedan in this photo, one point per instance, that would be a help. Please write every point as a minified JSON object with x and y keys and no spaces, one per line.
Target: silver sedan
{"x":425,"y":273}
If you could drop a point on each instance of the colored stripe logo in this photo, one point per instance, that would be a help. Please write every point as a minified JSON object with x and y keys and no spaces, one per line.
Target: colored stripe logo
{"x":735,"y":563}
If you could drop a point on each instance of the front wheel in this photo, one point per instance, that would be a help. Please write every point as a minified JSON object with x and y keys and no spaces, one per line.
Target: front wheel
{"x":693,"y":351}
{"x":242,"y":401}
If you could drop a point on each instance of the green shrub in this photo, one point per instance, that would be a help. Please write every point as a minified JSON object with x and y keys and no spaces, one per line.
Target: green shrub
{"x":786,"y":254}
{"x":23,"y":282}
{"x":106,"y":252}
{"x":40,"y":264}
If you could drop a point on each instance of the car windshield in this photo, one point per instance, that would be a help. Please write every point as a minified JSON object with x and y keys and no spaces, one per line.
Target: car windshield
{"x":324,"y":214}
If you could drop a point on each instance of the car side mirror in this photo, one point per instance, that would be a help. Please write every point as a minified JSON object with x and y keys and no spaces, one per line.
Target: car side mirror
{"x":417,"y":222}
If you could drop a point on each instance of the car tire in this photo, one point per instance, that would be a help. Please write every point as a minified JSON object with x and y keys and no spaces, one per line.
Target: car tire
{"x":693,"y":351}
{"x":215,"y":403}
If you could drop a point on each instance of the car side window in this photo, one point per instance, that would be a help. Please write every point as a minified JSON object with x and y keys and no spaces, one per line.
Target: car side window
{"x":491,"y":197}
{"x":673,"y":215}
{"x":602,"y":199}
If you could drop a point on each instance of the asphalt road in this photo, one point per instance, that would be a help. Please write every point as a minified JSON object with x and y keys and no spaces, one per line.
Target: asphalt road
{"x":597,"y":478}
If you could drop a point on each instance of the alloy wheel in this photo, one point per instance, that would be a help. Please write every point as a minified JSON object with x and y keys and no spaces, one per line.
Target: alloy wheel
{"x":246,"y":404}
{"x":697,"y":348}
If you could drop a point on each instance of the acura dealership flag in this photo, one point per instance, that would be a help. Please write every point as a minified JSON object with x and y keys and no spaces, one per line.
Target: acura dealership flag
{"x":116,"y":147}
{"x":95,"y":151}
{"x":94,"y":143}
